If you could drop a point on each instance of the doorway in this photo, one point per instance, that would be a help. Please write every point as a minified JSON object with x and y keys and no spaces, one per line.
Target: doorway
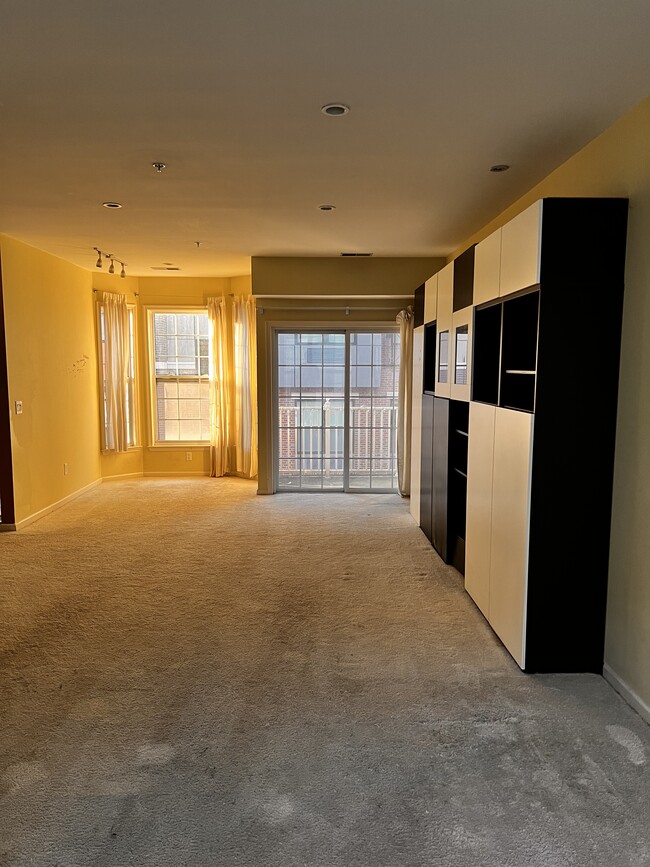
{"x":7,"y":517}
{"x":336,"y":410}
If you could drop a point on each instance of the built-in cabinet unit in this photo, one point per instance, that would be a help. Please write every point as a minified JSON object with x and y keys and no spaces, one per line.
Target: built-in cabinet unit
{"x":444,"y":408}
{"x":517,"y":417}
{"x":542,"y":429}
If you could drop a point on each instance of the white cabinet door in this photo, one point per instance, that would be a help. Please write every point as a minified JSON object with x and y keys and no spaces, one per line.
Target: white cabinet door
{"x":510,"y":525}
{"x":487,"y":268}
{"x":478,"y":535}
{"x":444,"y":323}
{"x":416,"y":422}
{"x":520,"y":250}
{"x":461,"y":353}
{"x":430,"y":299}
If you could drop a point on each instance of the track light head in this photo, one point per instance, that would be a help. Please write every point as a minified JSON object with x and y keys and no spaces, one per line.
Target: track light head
{"x":98,"y":263}
{"x":111,"y":269}
{"x":122,"y":272}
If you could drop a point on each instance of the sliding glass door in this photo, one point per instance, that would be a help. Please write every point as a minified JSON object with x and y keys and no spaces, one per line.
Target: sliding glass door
{"x":336,"y":410}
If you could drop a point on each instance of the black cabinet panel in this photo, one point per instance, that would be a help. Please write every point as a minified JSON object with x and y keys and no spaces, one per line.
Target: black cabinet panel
{"x":429,"y":358}
{"x":464,"y":279}
{"x":440,"y":474}
{"x":580,"y":316}
{"x":418,"y":307}
{"x":426,"y":467}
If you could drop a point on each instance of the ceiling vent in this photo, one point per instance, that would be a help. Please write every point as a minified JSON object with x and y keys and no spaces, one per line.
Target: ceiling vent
{"x":165,"y":268}
{"x":356,"y":255}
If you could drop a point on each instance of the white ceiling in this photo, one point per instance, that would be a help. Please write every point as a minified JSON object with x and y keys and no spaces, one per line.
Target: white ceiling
{"x":228,"y":94}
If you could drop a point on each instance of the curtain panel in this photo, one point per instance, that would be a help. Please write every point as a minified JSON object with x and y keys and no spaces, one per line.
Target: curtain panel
{"x":404,"y":401}
{"x":116,"y":371}
{"x":233,"y":386}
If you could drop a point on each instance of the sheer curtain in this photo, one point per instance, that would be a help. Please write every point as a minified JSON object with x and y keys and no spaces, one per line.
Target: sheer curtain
{"x":404,"y":401}
{"x":233,"y":386}
{"x":116,"y":371}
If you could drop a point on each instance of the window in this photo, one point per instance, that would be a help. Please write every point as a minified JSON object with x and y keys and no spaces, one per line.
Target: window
{"x":130,"y":382}
{"x":180,"y":382}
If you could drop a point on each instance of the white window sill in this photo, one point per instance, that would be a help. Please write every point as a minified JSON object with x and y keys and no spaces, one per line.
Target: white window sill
{"x":175,"y":446}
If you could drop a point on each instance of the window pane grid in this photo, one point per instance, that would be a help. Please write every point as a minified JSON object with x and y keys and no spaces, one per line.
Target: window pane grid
{"x":181,"y":348}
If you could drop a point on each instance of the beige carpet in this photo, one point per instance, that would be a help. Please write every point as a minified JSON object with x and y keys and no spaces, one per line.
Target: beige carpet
{"x":194,"y":675}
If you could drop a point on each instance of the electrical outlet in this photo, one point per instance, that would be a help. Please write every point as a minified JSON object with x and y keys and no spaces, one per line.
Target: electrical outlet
{"x":188,"y":456}
{"x":19,"y":407}
{"x":65,"y":469}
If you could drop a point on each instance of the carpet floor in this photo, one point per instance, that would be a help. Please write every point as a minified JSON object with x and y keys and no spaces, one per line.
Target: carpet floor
{"x":193,"y":675}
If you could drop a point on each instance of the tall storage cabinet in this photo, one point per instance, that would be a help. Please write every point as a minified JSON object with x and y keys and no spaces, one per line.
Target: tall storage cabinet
{"x":542,"y":430}
{"x":443,"y":407}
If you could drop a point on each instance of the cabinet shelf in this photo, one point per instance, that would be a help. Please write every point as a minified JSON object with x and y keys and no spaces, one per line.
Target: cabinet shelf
{"x":460,"y":472}
{"x":523,"y":372}
{"x":463,"y":433}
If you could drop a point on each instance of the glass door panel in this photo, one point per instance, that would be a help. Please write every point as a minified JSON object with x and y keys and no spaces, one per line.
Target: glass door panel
{"x":374,"y":379}
{"x":311,"y":401}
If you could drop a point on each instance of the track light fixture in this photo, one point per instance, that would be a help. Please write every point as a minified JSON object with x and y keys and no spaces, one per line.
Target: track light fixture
{"x":113,"y":259}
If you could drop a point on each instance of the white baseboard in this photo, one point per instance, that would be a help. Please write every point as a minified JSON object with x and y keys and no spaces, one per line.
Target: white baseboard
{"x":53,"y":506}
{"x":121,"y":476}
{"x":177,"y":475}
{"x":627,"y":693}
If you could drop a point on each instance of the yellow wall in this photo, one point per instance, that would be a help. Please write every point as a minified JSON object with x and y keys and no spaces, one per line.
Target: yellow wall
{"x":618,"y":164}
{"x":52,"y":369}
{"x":340,"y":277}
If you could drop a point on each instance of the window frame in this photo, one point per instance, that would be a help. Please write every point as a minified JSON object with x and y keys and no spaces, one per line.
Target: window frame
{"x":353,"y":328}
{"x":154,"y":442}
{"x":132,"y":382}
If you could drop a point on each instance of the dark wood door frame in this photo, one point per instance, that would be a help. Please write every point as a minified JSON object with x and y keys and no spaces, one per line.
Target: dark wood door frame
{"x":6,"y":463}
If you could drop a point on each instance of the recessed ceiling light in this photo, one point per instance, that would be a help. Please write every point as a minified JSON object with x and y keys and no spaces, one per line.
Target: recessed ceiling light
{"x":111,"y":204}
{"x":327,"y":207}
{"x":499,"y":167}
{"x":335,"y":109}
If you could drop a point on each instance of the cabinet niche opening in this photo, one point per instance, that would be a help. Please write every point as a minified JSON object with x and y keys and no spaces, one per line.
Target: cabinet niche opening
{"x":487,"y":351}
{"x":519,"y":352}
{"x":457,"y":486}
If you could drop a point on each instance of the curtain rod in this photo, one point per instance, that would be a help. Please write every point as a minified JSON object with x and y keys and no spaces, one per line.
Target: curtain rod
{"x":348,"y":310}
{"x":95,"y":291}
